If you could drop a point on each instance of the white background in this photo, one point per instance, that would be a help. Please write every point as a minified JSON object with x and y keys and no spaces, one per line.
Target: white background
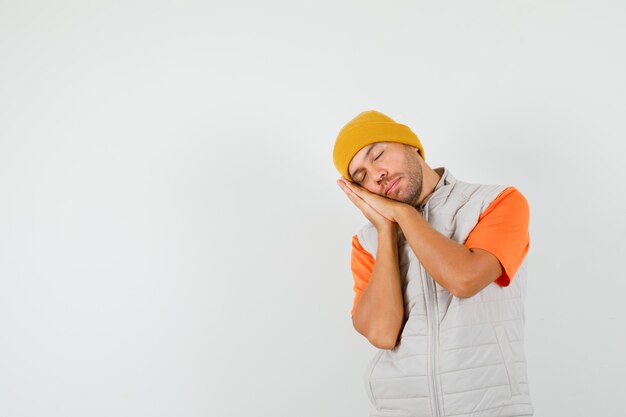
{"x":172,"y":240}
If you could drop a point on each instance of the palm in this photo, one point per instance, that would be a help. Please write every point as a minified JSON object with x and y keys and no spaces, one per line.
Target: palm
{"x":385,"y":206}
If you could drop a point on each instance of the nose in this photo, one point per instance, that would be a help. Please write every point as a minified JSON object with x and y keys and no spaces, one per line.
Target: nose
{"x":380,"y":175}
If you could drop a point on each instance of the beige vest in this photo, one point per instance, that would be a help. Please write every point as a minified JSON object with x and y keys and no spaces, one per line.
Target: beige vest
{"x":456,"y":357}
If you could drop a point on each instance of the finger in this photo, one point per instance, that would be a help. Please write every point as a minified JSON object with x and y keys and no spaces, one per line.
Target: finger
{"x":364,"y":206}
{"x":352,"y":186}
{"x":359,"y":202}
{"x":361,"y":192}
{"x":346,"y":187}
{"x":357,"y":189}
{"x":342,"y":185}
{"x":353,"y":197}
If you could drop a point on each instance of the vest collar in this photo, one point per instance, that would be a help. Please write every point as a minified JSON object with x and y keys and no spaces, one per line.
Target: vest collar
{"x":440,"y":190}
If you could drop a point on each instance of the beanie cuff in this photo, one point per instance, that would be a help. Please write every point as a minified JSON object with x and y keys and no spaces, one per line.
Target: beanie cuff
{"x":360,"y":136}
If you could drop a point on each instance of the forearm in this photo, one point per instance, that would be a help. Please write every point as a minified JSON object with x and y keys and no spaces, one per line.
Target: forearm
{"x":379,"y":312}
{"x":444,"y":259}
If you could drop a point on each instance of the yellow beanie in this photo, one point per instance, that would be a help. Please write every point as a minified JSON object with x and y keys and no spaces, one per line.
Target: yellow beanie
{"x":369,"y":127}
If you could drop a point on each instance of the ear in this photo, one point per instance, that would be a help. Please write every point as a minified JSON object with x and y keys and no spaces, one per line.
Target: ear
{"x":414,"y":149}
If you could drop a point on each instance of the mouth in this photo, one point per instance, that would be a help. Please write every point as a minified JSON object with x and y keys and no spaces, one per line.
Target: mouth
{"x":391,"y":186}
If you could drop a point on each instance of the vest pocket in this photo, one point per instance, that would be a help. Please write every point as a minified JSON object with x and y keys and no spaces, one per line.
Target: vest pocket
{"x":508,"y":357}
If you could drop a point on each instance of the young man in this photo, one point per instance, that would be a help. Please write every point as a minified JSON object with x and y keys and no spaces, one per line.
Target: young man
{"x":439,"y":278}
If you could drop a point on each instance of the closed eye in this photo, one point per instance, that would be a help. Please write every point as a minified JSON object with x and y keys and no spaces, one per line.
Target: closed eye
{"x":365,"y":174}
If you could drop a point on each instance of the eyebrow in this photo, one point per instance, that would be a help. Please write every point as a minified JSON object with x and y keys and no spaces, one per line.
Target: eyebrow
{"x":366,"y":155}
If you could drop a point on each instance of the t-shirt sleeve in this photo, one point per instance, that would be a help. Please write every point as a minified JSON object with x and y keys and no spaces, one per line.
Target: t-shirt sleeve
{"x":502,"y":230}
{"x":362,"y":265}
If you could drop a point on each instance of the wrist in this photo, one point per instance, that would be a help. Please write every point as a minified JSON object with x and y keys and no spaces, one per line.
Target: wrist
{"x":390,"y":228}
{"x":404,"y":211}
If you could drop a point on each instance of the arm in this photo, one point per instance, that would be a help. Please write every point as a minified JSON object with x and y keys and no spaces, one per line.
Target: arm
{"x":379,"y":312}
{"x":462,"y":271}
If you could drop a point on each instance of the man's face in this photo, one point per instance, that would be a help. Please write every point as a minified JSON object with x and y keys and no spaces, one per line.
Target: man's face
{"x":389,"y":169}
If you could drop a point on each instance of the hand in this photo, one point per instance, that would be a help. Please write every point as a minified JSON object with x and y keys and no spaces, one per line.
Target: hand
{"x":378,"y":220}
{"x":385,"y":206}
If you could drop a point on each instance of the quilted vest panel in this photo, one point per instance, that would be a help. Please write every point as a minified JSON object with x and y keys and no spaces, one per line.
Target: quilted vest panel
{"x":455,"y":356}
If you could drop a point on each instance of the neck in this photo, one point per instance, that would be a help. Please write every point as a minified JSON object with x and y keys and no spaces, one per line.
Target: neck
{"x":429,"y":181}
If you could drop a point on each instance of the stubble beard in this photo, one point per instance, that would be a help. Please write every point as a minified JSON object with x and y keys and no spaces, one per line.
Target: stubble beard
{"x":414,"y":182}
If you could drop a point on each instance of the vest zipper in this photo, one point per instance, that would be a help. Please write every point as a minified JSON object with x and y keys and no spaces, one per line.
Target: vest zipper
{"x":432,"y":317}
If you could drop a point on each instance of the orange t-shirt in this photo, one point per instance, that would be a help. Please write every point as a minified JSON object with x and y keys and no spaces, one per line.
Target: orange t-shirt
{"x":502,"y":229}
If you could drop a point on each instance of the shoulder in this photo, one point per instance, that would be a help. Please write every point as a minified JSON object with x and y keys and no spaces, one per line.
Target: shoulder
{"x":510,"y":202}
